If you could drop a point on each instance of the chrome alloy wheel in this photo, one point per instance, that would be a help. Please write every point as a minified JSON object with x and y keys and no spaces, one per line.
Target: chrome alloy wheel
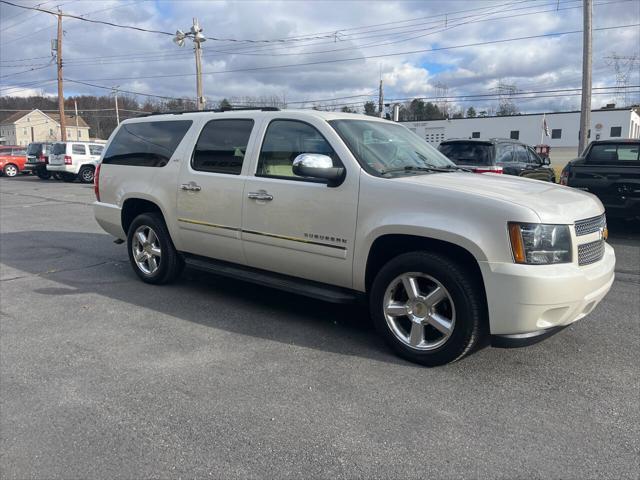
{"x":146,"y":249}
{"x":419,"y":311}
{"x":11,"y":170}
{"x":87,"y":175}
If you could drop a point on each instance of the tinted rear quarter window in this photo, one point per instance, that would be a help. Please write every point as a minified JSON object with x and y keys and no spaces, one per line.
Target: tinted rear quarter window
{"x":468,"y":153}
{"x":222,"y":146}
{"x":95,"y":149}
{"x":146,"y":144}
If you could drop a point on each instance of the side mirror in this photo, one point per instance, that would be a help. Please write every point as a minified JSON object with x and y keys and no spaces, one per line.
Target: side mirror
{"x":316,"y":165}
{"x":546,"y":161}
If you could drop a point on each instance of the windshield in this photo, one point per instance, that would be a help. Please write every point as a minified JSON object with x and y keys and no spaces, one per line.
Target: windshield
{"x":467,"y":153}
{"x":382,"y":147}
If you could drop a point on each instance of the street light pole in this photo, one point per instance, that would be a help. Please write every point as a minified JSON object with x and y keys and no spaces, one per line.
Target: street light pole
{"x":585,"y":107}
{"x":198,"y":51}
{"x":195,"y":34}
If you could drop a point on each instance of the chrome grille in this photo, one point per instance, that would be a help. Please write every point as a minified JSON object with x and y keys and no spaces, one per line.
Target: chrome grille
{"x":590,"y":225}
{"x":590,"y":252}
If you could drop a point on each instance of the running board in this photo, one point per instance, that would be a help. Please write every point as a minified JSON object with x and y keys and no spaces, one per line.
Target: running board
{"x":295,"y":285}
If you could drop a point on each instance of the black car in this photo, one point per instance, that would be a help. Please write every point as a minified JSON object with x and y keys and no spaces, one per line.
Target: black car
{"x":610,"y":169}
{"x":37,"y":159}
{"x":498,"y":155}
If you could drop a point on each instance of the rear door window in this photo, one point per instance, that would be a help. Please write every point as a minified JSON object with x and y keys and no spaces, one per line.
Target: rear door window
{"x":520,"y":154}
{"x":222,"y":146}
{"x":146,"y":144}
{"x":78,"y":149}
{"x":467,"y":153}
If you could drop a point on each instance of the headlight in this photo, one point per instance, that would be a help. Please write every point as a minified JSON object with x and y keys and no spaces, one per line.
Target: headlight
{"x":540,"y":244}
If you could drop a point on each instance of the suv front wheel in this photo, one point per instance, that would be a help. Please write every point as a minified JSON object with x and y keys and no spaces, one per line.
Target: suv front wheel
{"x":427,"y":308}
{"x":151,"y":251}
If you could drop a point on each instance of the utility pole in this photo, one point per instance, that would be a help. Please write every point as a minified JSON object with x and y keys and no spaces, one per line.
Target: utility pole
{"x":75,"y":104}
{"x":63,"y":126}
{"x":585,"y":107}
{"x":115,"y":94}
{"x":381,"y":100}
{"x":196,"y":35}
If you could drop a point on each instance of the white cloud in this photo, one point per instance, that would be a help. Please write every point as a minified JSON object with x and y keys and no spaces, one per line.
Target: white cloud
{"x":102,"y":53}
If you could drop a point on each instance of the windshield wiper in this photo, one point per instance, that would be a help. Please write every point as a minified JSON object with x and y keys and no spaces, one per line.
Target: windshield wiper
{"x":461,"y":169}
{"x":415,"y":168}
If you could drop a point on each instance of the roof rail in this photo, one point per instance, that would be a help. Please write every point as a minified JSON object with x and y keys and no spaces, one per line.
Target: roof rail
{"x":214,"y":110}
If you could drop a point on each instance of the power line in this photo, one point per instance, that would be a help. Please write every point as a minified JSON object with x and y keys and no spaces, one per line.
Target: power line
{"x":365,"y":57}
{"x":77,"y":17}
{"x":25,"y":71}
{"x":162,"y":56}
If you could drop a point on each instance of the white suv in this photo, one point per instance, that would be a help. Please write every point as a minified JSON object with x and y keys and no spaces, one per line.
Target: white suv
{"x":340,"y":207}
{"x":75,"y":160}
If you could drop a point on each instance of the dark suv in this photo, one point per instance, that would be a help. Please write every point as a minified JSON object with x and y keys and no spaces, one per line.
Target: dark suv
{"x":37,"y":159}
{"x":498,"y":155}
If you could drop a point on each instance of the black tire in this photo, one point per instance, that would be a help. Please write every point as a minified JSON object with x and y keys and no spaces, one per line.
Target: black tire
{"x":68,"y":177}
{"x":86,"y":174}
{"x":466,"y":295}
{"x":171,"y":262}
{"x":10,"y":170}
{"x":43,"y":173}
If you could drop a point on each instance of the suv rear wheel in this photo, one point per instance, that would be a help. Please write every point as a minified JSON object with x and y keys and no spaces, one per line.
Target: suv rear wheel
{"x":427,"y":308}
{"x":86,"y":174}
{"x":151,"y":251}
{"x":43,"y":173}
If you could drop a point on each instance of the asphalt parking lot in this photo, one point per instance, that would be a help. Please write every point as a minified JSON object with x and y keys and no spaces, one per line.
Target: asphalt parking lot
{"x":103,"y":376}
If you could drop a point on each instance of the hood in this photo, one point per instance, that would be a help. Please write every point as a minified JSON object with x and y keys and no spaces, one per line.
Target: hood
{"x":552,"y":203}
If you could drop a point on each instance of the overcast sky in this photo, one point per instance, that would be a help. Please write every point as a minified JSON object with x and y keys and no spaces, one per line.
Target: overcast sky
{"x":151,"y":63}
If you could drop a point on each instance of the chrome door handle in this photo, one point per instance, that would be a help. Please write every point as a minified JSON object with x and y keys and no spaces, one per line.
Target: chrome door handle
{"x":262,"y":195}
{"x":190,"y":187}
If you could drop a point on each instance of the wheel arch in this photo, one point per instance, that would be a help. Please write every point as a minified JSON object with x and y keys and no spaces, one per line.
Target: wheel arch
{"x":134,"y":206}
{"x":11,"y":164}
{"x":387,"y":246}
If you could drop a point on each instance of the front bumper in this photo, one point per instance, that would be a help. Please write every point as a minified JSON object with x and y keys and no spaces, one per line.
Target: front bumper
{"x":63,"y":168}
{"x":535,"y":299}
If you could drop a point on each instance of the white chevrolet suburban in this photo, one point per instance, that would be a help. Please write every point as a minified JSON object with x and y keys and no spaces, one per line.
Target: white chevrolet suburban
{"x":341,"y":206}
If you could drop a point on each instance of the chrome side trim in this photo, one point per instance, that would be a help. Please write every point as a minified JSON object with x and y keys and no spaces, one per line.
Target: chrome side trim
{"x":263,"y":234}
{"x":207,"y":224}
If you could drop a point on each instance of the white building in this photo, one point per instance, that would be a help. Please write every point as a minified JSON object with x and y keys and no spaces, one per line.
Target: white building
{"x":26,"y":126}
{"x":563,"y":129}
